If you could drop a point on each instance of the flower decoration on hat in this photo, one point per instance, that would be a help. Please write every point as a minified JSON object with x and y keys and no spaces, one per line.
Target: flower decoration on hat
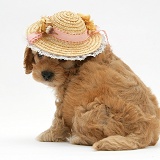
{"x":42,"y":24}
{"x":91,"y":27}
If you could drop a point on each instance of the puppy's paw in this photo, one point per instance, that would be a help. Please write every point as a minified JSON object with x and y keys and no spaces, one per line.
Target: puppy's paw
{"x":50,"y":136}
{"x":117,"y":142}
{"x":106,"y":145}
{"x":98,"y":146}
{"x":79,"y":140}
{"x":75,"y":140}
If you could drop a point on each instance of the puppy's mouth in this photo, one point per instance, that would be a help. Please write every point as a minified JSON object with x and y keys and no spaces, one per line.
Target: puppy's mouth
{"x":47,"y":75}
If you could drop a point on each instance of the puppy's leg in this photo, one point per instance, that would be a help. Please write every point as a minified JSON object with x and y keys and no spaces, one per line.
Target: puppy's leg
{"x":88,"y":124}
{"x":121,"y":126}
{"x":141,"y":131}
{"x":118,"y":142}
{"x":58,"y":132}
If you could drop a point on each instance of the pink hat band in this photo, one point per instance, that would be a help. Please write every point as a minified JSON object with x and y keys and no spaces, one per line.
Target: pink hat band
{"x":59,"y":35}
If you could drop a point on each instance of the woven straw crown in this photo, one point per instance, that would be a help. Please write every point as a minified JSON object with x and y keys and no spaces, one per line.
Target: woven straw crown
{"x":69,"y":22}
{"x":66,"y":35}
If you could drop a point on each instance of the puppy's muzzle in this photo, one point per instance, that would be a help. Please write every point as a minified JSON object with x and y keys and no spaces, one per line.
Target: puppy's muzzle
{"x":47,"y":75}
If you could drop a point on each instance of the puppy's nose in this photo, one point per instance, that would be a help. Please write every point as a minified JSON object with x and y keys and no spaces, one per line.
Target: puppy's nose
{"x":47,"y":75}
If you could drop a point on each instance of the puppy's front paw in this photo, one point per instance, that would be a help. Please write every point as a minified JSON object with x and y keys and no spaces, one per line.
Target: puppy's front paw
{"x":50,"y":136}
{"x":98,"y":146}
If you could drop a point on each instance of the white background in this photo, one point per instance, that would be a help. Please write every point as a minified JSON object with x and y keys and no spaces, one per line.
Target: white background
{"x":27,"y":107}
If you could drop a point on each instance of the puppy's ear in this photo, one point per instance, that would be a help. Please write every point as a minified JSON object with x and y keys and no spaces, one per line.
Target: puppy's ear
{"x":28,"y":60}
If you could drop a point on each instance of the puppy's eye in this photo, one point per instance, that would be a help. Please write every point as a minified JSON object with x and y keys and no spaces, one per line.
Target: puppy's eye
{"x":39,"y":55}
{"x":61,"y":60}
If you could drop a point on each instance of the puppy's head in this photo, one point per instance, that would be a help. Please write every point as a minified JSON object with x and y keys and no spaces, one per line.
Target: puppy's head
{"x":49,"y":71}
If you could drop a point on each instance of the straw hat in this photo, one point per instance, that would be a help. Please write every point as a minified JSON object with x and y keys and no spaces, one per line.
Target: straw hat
{"x":66,"y":35}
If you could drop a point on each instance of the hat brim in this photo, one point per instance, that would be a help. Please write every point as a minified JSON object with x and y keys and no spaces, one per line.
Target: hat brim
{"x":52,"y":47}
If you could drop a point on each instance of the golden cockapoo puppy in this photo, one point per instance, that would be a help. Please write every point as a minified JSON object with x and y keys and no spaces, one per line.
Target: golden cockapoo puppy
{"x":100,"y":100}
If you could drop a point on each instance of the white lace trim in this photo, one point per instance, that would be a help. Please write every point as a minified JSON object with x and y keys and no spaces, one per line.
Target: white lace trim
{"x":81,"y":57}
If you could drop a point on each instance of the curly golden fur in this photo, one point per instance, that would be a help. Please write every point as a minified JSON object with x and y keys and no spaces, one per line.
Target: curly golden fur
{"x":100,"y":102}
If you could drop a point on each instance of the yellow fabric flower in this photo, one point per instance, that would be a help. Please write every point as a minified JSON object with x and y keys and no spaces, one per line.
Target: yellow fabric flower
{"x":89,"y":23}
{"x":42,"y":24}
